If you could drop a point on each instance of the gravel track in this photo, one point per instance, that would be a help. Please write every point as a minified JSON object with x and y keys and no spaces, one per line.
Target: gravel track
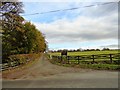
{"x":43,"y":74}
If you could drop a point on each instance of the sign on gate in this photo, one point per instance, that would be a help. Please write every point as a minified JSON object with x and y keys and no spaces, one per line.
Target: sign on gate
{"x":64,"y":52}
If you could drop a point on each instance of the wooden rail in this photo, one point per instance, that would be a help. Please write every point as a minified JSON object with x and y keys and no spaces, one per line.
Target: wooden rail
{"x":14,"y":61}
{"x":110,"y":58}
{"x":11,"y":65}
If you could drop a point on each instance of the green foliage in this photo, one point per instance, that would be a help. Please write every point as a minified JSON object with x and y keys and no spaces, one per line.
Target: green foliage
{"x":11,"y":27}
{"x":18,"y":36}
{"x":34,"y":41}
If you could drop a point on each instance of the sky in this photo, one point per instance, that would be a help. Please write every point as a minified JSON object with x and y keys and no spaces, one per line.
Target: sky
{"x":86,"y":27}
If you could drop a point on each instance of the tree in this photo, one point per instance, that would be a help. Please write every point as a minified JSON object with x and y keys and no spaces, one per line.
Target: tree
{"x":34,"y":41}
{"x":11,"y":26}
{"x":97,"y":49}
{"x":105,"y":49}
{"x":18,"y":36}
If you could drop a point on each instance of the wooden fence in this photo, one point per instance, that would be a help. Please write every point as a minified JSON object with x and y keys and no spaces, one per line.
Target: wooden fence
{"x":17,"y":60}
{"x":11,"y":65}
{"x":106,"y":58}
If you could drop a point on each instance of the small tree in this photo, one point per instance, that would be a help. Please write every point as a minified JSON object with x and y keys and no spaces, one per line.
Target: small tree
{"x":105,"y":49}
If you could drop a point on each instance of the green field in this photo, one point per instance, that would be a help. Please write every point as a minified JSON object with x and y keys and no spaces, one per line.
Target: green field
{"x":86,"y":53}
{"x":100,"y":63}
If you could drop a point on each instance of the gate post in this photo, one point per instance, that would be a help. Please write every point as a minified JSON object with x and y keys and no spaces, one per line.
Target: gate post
{"x":93,"y":57}
{"x":110,"y":58}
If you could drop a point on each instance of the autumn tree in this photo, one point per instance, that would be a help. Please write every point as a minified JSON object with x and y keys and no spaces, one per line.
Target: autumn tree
{"x":11,"y":26}
{"x":34,"y":40}
{"x":18,"y":36}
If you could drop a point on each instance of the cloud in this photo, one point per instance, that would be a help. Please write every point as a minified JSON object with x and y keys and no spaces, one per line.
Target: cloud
{"x":80,"y":29}
{"x":110,"y":46}
{"x":101,"y":10}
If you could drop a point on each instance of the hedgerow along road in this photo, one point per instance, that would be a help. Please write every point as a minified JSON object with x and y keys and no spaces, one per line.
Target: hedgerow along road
{"x":43,"y":74}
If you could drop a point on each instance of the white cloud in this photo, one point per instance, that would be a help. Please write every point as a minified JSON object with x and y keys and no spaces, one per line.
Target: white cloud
{"x":80,"y":29}
{"x":87,"y":25}
{"x":113,"y":46}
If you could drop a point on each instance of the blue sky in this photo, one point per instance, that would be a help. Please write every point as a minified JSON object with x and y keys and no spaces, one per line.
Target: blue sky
{"x":91,"y":27}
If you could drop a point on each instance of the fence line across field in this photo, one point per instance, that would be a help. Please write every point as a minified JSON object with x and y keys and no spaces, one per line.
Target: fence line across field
{"x":62,"y":59}
{"x":100,"y":57}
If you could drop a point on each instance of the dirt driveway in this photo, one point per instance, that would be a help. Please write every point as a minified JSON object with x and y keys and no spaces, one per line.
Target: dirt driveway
{"x":43,"y":74}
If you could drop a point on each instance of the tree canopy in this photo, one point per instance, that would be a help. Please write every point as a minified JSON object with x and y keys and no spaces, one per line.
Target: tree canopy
{"x":18,"y":35}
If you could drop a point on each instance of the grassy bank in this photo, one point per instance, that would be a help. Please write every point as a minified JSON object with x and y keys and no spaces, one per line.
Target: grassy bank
{"x":20,"y":61}
{"x":90,"y":66}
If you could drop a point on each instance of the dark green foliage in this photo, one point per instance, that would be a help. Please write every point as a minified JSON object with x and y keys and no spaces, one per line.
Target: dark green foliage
{"x":18,"y":36}
{"x":11,"y":27}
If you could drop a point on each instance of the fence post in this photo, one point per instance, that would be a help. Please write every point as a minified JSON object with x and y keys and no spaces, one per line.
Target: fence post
{"x":68,"y":59}
{"x":78,"y":59}
{"x":110,"y":58}
{"x":60,"y":58}
{"x":93,"y":58}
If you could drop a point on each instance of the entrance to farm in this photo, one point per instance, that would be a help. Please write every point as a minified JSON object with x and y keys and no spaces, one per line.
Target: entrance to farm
{"x":64,"y":56}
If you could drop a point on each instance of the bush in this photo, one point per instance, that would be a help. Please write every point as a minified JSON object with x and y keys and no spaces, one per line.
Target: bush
{"x":22,"y":58}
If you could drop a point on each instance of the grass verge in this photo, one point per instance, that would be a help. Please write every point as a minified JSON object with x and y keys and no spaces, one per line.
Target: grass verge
{"x":90,"y":66}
